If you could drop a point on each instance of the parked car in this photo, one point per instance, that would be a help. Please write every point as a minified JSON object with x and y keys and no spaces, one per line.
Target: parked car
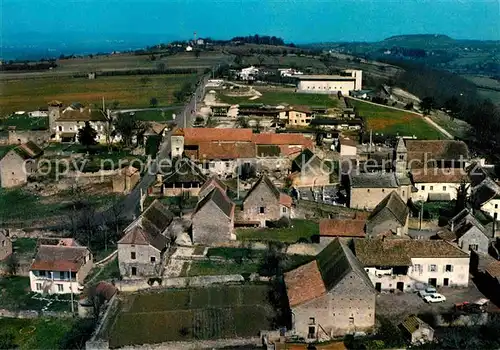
{"x":427,"y":291}
{"x":435,"y":298}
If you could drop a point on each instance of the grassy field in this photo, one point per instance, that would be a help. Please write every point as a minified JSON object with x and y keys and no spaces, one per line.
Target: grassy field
{"x":38,"y":333}
{"x":156,"y":115}
{"x":300,"y":230}
{"x":394,"y":122}
{"x":24,"y":122}
{"x":129,"y":91}
{"x":301,"y":62}
{"x":182,"y":315}
{"x":293,"y":98}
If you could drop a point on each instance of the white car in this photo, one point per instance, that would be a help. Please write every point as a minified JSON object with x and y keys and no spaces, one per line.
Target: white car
{"x":435,"y":298}
{"x":427,"y":291}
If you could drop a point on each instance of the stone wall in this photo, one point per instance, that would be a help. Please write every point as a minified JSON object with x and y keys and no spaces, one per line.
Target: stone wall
{"x":17,"y":137}
{"x":142,"y":262}
{"x":211,"y":226}
{"x":33,"y":314}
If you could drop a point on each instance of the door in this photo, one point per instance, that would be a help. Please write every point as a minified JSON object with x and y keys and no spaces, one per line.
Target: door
{"x":400,"y":286}
{"x":446,"y":282}
{"x":378,"y":286}
{"x":433,"y":282}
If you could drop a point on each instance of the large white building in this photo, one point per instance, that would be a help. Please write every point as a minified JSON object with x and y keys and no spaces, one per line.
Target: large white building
{"x":331,"y":84}
{"x":407,"y":265}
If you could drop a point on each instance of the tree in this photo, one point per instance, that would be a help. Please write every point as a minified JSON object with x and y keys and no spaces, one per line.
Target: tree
{"x":87,"y":135}
{"x":247,"y":171}
{"x":183,"y":201}
{"x":128,"y":126}
{"x":461,"y":201}
{"x":153,"y":102}
{"x":12,"y":264}
{"x":7,"y":340}
{"x":238,"y":60}
{"x":144,"y":80}
{"x":427,"y":105}
{"x":274,"y":260}
{"x":261,"y":59}
{"x":242,"y":122}
{"x":409,"y":106}
{"x":115,"y":104}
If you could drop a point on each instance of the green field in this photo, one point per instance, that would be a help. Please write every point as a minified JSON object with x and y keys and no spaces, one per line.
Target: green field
{"x":24,"y":122}
{"x":156,"y":115}
{"x":192,"y":314}
{"x":38,"y":333}
{"x":129,"y":91}
{"x":389,"y":121}
{"x":301,"y":230}
{"x":292,"y":98}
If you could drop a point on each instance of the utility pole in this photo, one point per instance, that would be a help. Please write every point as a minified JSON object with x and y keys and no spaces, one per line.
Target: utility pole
{"x":71,"y":288}
{"x":421,"y":215}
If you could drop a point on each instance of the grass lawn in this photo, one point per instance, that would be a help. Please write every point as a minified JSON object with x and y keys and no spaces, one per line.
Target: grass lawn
{"x":24,"y":122}
{"x":182,"y":315}
{"x":15,"y":294}
{"x":24,"y":246}
{"x":394,"y":122}
{"x":300,"y":230}
{"x":129,"y":91}
{"x":293,"y":98}
{"x":107,"y":273}
{"x":38,"y":333}
{"x":156,"y":115}
{"x":4,"y":150}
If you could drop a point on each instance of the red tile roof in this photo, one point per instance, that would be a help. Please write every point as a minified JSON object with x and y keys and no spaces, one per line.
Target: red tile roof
{"x":59,"y":258}
{"x":439,"y":175}
{"x":285,"y":200}
{"x":342,"y":228}
{"x":226,"y":150}
{"x":304,"y":283}
{"x":197,"y":135}
{"x":282,"y":139}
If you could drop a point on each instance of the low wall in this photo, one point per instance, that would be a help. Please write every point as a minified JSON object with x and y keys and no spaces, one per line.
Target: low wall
{"x":33,"y":314}
{"x":18,"y":233}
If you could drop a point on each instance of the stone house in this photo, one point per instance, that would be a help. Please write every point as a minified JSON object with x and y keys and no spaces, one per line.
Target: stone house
{"x":60,"y":268}
{"x":143,"y":246}
{"x":213,"y":219}
{"x":438,"y":184}
{"x":390,"y":216}
{"x":224,"y":159}
{"x":331,"y":295}
{"x":486,"y":197}
{"x":126,"y":179}
{"x":406,"y":265}
{"x":264,"y":202}
{"x":183,"y":176}
{"x":416,"y":330}
{"x":308,"y":170}
{"x":367,"y":190}
{"x":18,"y":137}
{"x":5,"y":245}
{"x":209,"y":185}
{"x":18,"y":164}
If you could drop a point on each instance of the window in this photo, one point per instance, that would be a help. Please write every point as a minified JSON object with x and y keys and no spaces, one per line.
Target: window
{"x":41,"y":273}
{"x":153,"y":259}
{"x":431,"y":188}
{"x":448,"y":268}
{"x":422,"y":188}
{"x":212,"y":165}
{"x":473,"y":247}
{"x":311,"y":332}
{"x":417,"y":268}
{"x":496,"y":206}
{"x":132,"y":255}
{"x":38,"y":286}
{"x":368,"y":190}
{"x":3,"y":243}
{"x":228,"y":164}
{"x":133,"y":271}
{"x":403,"y":193}
{"x":432,"y":268}
{"x":401,"y":157}
{"x":61,"y":275}
{"x":444,"y":188}
{"x":262,"y":210}
{"x":60,"y":288}
{"x":383,"y":190}
{"x":284,"y":209}
{"x":60,"y":128}
{"x":351,"y":321}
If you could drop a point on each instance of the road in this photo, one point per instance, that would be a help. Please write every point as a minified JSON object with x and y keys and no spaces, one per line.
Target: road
{"x":169,"y":108}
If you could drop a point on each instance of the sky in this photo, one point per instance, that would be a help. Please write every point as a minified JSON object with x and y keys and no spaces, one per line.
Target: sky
{"x":298,"y":21}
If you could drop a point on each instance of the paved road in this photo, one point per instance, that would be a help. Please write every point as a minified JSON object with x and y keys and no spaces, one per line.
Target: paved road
{"x":169,"y":108}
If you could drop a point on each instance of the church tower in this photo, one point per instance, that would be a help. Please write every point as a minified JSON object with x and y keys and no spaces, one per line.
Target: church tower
{"x":177,"y":142}
{"x":401,"y":159}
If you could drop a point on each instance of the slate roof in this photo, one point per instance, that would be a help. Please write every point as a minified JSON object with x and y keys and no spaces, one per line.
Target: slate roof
{"x":183,"y":171}
{"x":158,"y":215}
{"x":374,"y":180}
{"x":264,"y":180}
{"x":226,"y":150}
{"x":306,"y":159}
{"x":399,"y":252}
{"x":391,"y":207}
{"x":302,"y":109}
{"x":139,"y":236}
{"x":59,"y":258}
{"x":421,"y":150}
{"x":440,"y":175}
{"x":485,"y":191}
{"x":220,"y":199}
{"x":464,"y":217}
{"x":342,"y":228}
{"x":212,"y":182}
{"x":316,"y":278}
{"x":29,"y":150}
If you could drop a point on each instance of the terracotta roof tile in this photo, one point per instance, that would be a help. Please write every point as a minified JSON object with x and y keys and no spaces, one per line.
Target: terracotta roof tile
{"x":197,"y":135}
{"x":59,"y":258}
{"x":342,"y":228}
{"x":304,"y":283}
{"x":420,"y":151}
{"x":226,"y":150}
{"x":439,"y":175}
{"x":286,"y":200}
{"x":282,"y":139}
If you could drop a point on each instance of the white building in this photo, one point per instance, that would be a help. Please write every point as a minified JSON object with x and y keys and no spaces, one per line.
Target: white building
{"x":289,"y":72}
{"x":407,"y":265}
{"x":248,"y":73}
{"x":60,"y":268}
{"x":189,"y":48}
{"x":331,"y":84}
{"x":438,"y":184}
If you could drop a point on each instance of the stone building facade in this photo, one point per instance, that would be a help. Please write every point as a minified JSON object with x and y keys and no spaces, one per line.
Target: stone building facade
{"x":5,"y":246}
{"x":18,"y":163}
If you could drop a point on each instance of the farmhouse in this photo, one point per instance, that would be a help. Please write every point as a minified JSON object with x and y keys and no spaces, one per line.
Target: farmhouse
{"x":299,"y":116}
{"x":18,"y":163}
{"x":183,"y":176}
{"x":330,"y":296}
{"x":438,"y":184}
{"x":142,"y":248}
{"x":390,"y":216}
{"x":264,"y":202}
{"x":351,"y":80}
{"x":406,"y":265}
{"x":209,"y":185}
{"x":60,"y":268}
{"x":330,"y":229}
{"x":213,"y":219}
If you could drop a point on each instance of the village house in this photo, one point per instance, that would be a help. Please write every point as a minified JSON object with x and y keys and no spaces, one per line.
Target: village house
{"x":347,"y":147}
{"x":18,"y":164}
{"x":337,"y":124}
{"x":486,"y":197}
{"x":142,"y":248}
{"x":248,"y":73}
{"x":390,"y":217}
{"x":330,"y":296}
{"x":467,"y":232}
{"x":329,"y":229}
{"x":126,"y":179}
{"x":213,"y":219}
{"x":367,"y":190}
{"x":395,"y":264}
{"x":184,"y":176}
{"x":436,"y":154}
{"x":308,"y":170}
{"x":264,"y":202}
{"x":5,"y":245}
{"x":60,"y":268}
{"x":438,"y":184}
{"x":299,"y":116}
{"x":209,"y":185}
{"x":331,"y":84}
{"x":416,"y":330}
